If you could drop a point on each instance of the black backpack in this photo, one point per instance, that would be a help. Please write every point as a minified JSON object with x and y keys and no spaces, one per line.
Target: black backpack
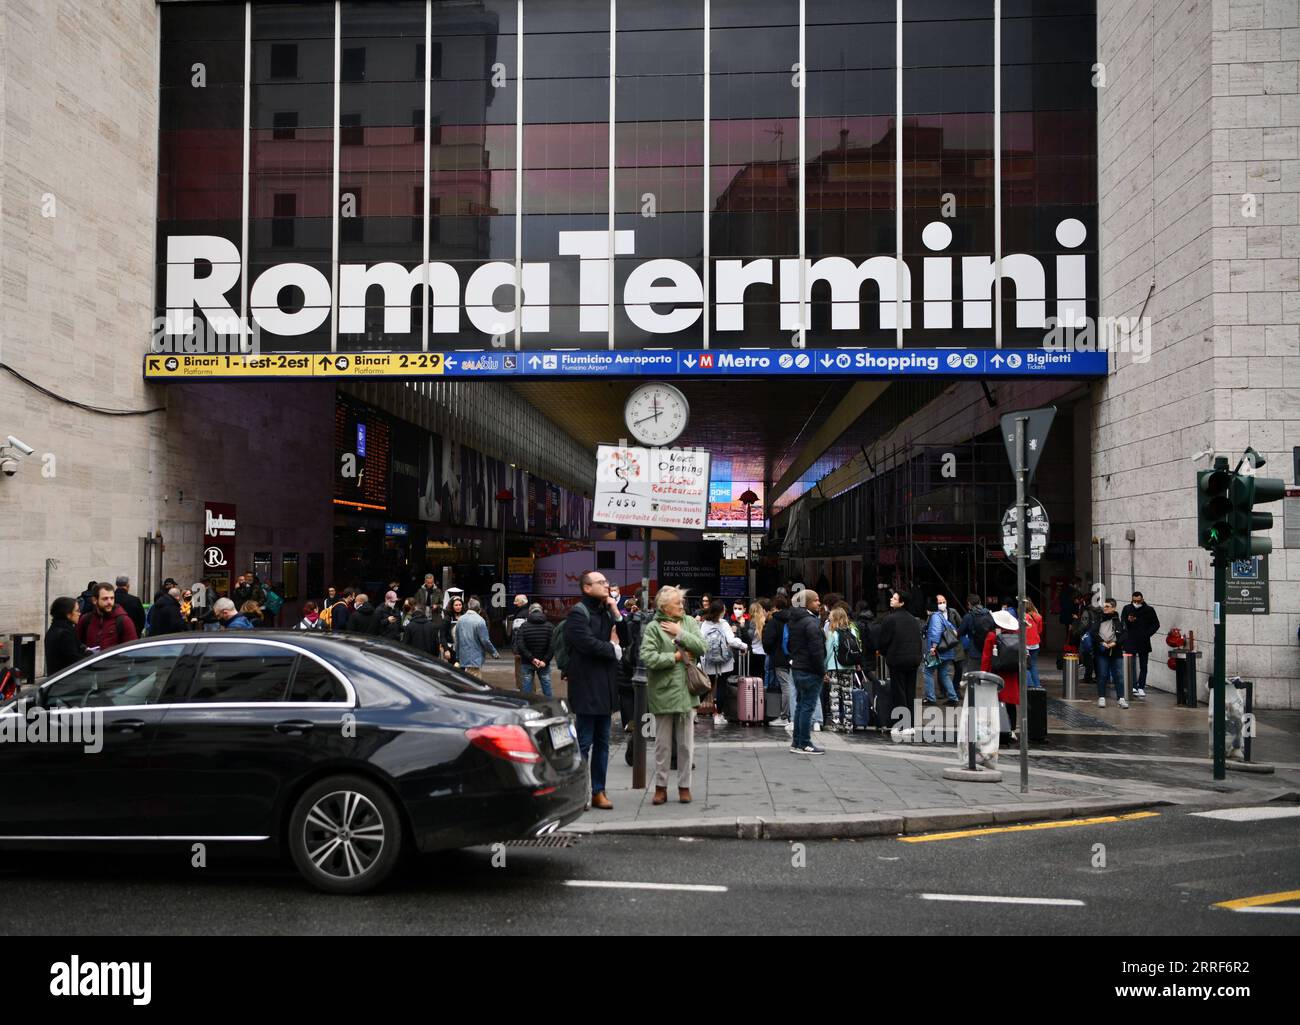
{"x":848,"y":651}
{"x":1006,"y":653}
{"x":980,"y":627}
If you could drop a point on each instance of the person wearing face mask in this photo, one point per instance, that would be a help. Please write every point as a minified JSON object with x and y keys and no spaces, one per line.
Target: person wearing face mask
{"x":942,"y":645}
{"x":1108,"y":639}
{"x":1140,"y":625}
{"x":738,"y":619}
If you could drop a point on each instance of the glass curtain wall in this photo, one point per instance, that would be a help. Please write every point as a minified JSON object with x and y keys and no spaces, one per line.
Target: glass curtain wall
{"x":566,"y":165}
{"x":659,"y":171}
{"x":474,"y":91}
{"x":753,"y":167}
{"x":1049,"y":159}
{"x":851,"y":187}
{"x":381,"y":170}
{"x":948,"y":183}
{"x":291,"y":174}
{"x":200,"y":148}
{"x":704,"y":170}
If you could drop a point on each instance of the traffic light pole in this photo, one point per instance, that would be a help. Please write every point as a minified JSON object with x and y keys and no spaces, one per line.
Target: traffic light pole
{"x":1022,"y":554}
{"x":1217,"y":685}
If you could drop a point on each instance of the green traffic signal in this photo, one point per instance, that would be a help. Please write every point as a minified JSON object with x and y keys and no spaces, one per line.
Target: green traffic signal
{"x":1214,"y":506}
{"x":1248,"y":492}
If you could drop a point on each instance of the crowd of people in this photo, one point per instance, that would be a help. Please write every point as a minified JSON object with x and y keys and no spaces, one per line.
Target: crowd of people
{"x":810,"y":651}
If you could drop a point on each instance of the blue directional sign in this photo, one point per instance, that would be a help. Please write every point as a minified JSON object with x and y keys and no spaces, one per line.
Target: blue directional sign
{"x":666,"y":363}
{"x":806,"y":362}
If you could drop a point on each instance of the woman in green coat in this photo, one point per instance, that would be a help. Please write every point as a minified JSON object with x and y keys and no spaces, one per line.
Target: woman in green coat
{"x":666,"y":645}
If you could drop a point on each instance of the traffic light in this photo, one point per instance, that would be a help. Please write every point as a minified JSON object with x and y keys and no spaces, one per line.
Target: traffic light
{"x":1214,"y":506}
{"x":1248,"y":492}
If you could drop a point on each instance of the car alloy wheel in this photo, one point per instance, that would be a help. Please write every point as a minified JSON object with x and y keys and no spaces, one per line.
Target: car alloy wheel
{"x":345,"y":835}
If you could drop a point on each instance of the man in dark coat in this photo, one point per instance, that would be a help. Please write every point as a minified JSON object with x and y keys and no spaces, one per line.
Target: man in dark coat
{"x":362,"y":620}
{"x":808,"y":664}
{"x":420,"y":634}
{"x":165,"y":616}
{"x":388,"y":618}
{"x":594,"y":652}
{"x":900,"y":643}
{"x":533,"y":642}
{"x":130,"y":604}
{"x":773,"y":630}
{"x":1140,"y":625}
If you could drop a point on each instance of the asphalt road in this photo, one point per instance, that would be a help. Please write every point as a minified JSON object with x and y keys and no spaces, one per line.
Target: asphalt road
{"x":1161,"y":876}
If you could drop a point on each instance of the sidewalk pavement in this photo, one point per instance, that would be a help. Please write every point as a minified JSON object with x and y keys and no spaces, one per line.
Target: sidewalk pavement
{"x":748,"y":784}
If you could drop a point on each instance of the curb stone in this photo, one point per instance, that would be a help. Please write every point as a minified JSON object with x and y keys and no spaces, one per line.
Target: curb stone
{"x":874,"y":824}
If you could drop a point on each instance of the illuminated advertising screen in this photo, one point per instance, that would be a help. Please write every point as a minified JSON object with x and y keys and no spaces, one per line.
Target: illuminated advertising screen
{"x":728,"y":511}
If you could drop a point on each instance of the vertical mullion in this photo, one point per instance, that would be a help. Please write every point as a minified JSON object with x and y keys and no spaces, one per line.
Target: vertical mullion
{"x":898,"y":176}
{"x":803,"y":196}
{"x":247,"y":320}
{"x":997,"y":172}
{"x":519,"y":174}
{"x":428,"y":159}
{"x":334,"y":243}
{"x":613,"y":68}
{"x":708,"y":113}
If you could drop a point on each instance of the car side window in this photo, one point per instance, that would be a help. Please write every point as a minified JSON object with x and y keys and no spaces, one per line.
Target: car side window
{"x":242,"y":673}
{"x":135,"y":677}
{"x":313,"y":682}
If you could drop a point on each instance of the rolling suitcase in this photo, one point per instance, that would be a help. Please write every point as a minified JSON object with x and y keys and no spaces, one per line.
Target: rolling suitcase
{"x":861,"y":703}
{"x":882,"y":701}
{"x":1037,"y":714}
{"x":749,"y":696}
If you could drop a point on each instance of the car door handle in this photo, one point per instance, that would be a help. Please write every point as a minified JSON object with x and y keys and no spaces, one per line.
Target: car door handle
{"x":293,"y":727}
{"x":126,"y":726}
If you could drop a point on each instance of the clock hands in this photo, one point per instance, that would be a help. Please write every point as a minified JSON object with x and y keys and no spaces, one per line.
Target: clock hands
{"x":654,"y":416}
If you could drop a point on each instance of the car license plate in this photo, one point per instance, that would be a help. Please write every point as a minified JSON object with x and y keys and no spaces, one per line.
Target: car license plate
{"x":561,"y":736}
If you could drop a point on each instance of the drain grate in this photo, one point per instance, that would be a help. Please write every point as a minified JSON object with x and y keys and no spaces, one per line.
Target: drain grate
{"x":554,"y":840}
{"x":1063,"y":791}
{"x":1076,"y":717}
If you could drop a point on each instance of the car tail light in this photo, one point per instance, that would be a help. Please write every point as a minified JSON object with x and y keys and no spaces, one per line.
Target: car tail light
{"x":513,"y":743}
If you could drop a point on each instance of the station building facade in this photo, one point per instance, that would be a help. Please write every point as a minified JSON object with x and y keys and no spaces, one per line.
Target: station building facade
{"x":343,"y":177}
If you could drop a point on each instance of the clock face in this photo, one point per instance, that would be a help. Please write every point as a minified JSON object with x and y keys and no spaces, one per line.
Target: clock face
{"x":656,"y":414}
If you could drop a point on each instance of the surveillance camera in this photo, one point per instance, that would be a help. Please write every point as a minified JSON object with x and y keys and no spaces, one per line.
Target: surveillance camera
{"x":8,"y":466}
{"x":21,"y":446}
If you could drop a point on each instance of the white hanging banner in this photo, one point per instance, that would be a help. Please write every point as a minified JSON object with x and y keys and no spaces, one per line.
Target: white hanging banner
{"x":651,"y":487}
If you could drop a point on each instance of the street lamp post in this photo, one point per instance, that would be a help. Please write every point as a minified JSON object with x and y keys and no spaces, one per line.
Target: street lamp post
{"x":749,"y":498}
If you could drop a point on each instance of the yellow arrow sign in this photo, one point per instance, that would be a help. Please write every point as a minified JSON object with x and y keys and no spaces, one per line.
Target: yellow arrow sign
{"x":388,"y":364}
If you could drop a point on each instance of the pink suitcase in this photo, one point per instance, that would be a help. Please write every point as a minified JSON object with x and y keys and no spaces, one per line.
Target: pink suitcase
{"x":749,"y":696}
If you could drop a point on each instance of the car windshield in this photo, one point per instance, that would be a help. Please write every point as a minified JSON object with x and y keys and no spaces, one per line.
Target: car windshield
{"x":430,"y":670}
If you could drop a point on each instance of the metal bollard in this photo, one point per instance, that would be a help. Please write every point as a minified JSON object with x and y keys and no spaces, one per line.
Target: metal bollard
{"x":640,"y":705}
{"x":1071,"y":677}
{"x":1249,"y":687}
{"x":1190,"y":693}
{"x":1129,"y":675}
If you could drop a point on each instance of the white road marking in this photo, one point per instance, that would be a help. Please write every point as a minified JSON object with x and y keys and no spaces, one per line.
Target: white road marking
{"x":605,"y":884}
{"x":1267,"y":911}
{"x":1249,"y":814}
{"x":978,"y":899}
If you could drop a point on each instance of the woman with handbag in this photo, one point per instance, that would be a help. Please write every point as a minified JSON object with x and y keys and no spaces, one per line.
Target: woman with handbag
{"x":670,"y":646}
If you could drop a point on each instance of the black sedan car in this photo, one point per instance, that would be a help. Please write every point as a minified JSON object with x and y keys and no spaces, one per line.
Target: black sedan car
{"x":343,"y":751}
